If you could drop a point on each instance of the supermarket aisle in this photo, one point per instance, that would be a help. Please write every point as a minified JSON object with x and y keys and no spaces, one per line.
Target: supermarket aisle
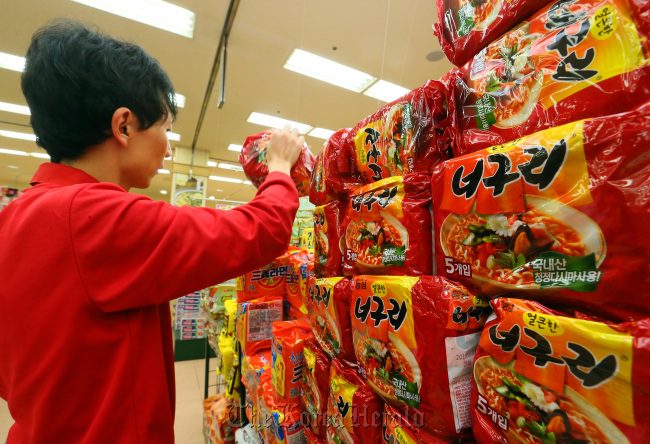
{"x":189,"y":409}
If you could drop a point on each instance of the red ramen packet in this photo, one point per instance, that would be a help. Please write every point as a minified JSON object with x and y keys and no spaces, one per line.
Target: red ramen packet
{"x":288,"y":359}
{"x":281,"y":421}
{"x":255,"y":323}
{"x":312,"y":438}
{"x":335,"y":176}
{"x":298,"y":261}
{"x":329,"y":223}
{"x":315,"y":388}
{"x":388,"y":228}
{"x":542,"y":376}
{"x":554,"y":216}
{"x":354,"y":411}
{"x":329,"y":315}
{"x":407,"y":135}
{"x":399,"y":429}
{"x":271,"y":280}
{"x":414,"y":339}
{"x":253,"y":158}
{"x":573,"y":60}
{"x":465,"y":27}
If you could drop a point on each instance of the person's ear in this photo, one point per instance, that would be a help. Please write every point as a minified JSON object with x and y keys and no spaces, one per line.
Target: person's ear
{"x":123,"y":124}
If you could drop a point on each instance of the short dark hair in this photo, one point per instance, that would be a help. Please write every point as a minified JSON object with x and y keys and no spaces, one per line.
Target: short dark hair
{"x":74,"y":80}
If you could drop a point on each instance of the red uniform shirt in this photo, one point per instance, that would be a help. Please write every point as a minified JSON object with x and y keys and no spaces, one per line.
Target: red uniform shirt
{"x":87,"y":271}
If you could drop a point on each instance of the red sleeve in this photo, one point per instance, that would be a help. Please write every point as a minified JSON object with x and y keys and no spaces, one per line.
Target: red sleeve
{"x":132,"y":251}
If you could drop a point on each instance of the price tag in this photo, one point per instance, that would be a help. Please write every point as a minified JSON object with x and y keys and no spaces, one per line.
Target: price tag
{"x":307,"y":240}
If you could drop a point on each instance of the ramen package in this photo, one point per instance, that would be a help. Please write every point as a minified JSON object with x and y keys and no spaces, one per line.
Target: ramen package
{"x":281,"y":421}
{"x":388,"y":228}
{"x":555,"y":216}
{"x":354,"y":412}
{"x":315,"y":387}
{"x":542,"y":376}
{"x":399,"y":429}
{"x":329,"y":223}
{"x":407,"y":135}
{"x":253,"y":158}
{"x":335,"y":176}
{"x":255,"y":326}
{"x":287,"y":358}
{"x":572,"y":60}
{"x":329,"y":315}
{"x":271,"y":280}
{"x":298,"y":262}
{"x":414,"y":339}
{"x":465,"y":27}
{"x":312,"y":438}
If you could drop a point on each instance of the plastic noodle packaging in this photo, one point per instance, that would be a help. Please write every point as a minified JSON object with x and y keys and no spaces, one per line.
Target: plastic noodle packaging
{"x":329,"y":224}
{"x":544,"y":376}
{"x":354,"y":412}
{"x":288,"y":359}
{"x":335,"y":175}
{"x":465,"y":27}
{"x":329,"y":315}
{"x":312,"y":438}
{"x":226,"y":353}
{"x":554,"y":216}
{"x":298,"y":262}
{"x":271,"y":280}
{"x":253,"y":367}
{"x":230,"y":321}
{"x":388,"y":228}
{"x":414,"y":340}
{"x":315,"y":388}
{"x":281,"y":421}
{"x":572,"y":60}
{"x":399,"y":429}
{"x":253,"y":158}
{"x":255,"y":324}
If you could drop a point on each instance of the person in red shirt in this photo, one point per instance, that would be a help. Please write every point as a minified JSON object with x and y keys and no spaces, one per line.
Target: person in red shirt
{"x":88,"y":269}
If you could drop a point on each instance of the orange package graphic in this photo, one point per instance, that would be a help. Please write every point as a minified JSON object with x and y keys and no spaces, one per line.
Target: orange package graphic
{"x":315,"y":388}
{"x":544,"y":376}
{"x":329,"y":224}
{"x":271,"y":280}
{"x":288,"y":359}
{"x":255,"y":323}
{"x":281,"y":421}
{"x":329,"y":315}
{"x":414,"y":340}
{"x":399,"y":429}
{"x":312,"y":438}
{"x":298,"y":261}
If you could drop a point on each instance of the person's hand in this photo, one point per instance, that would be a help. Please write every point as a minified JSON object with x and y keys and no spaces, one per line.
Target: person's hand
{"x":283,"y":149}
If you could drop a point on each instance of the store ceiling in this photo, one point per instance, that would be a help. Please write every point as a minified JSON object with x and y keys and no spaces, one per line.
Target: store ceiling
{"x":388,"y":39}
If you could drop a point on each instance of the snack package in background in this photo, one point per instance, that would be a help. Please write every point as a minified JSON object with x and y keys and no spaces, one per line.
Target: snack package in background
{"x":253,"y":158}
{"x":354,"y":412}
{"x":255,"y":326}
{"x":226,"y":348}
{"x":543,"y":376}
{"x":410,"y":134}
{"x":264,"y":386}
{"x":312,"y":438}
{"x":288,"y":359}
{"x":465,"y":27}
{"x":271,"y":280}
{"x":399,"y":429}
{"x":388,"y":228}
{"x":230,"y":321}
{"x":315,"y":388}
{"x":240,"y":286}
{"x":254,"y":365}
{"x":335,"y":175}
{"x":554,"y":216}
{"x":281,"y":421}
{"x":298,"y":261}
{"x":574,"y":59}
{"x":329,"y":224}
{"x":414,"y":339}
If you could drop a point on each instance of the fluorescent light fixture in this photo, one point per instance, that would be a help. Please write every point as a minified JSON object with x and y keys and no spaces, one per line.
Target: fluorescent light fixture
{"x":212,"y":163}
{"x":156,"y":13}
{"x":13,"y":167}
{"x":321,"y":133}
{"x":163,"y":191}
{"x":248,"y":182}
{"x":228,"y":166}
{"x":11,"y":108}
{"x":162,"y":171}
{"x":219,"y":190}
{"x":225,"y":179}
{"x":211,"y":197}
{"x":386,"y":91}
{"x":12,"y":62}
{"x":328,"y":71}
{"x":16,"y":135}
{"x":276,"y":122}
{"x":173,"y":136}
{"x":235,"y":147}
{"x":180,"y":100}
{"x":40,"y":155}
{"x":14,"y":152}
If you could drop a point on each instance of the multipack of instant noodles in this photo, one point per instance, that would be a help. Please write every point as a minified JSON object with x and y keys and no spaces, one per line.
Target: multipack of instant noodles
{"x":399,"y":429}
{"x":335,"y":175}
{"x":281,"y":421}
{"x":465,"y":27}
{"x":298,"y":260}
{"x":253,"y":367}
{"x":270,"y":280}
{"x":354,"y":412}
{"x":315,"y":388}
{"x":329,"y":223}
{"x":541,"y":376}
{"x":388,"y":228}
{"x":572,"y":60}
{"x":329,"y":315}
{"x":288,"y":359}
{"x":555,"y":216}
{"x":255,"y":323}
{"x":253,"y":158}
{"x":410,"y":134}
{"x":414,"y":339}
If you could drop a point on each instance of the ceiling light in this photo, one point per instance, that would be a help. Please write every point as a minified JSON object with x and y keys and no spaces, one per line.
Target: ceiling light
{"x":277,"y":122}
{"x":16,"y":135}
{"x":248,"y":182}
{"x":156,"y":13}
{"x":212,"y":163}
{"x":12,"y":62}
{"x":163,"y":192}
{"x":225,"y":179}
{"x":211,"y":197}
{"x":180,"y":100}
{"x":328,"y":71}
{"x":228,"y":166}
{"x":386,"y":91}
{"x":162,"y":171}
{"x":40,"y":155}
{"x":219,"y":190}
{"x":11,"y":108}
{"x":13,"y":167}
{"x":321,"y":133}
{"x":234,"y":147}
{"x":173,"y":136}
{"x":14,"y":152}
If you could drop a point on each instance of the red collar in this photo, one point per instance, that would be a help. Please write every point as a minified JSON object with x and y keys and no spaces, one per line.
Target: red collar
{"x":61,"y":175}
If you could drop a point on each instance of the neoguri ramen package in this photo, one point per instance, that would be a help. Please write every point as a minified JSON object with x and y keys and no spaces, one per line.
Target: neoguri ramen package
{"x":315,"y":387}
{"x":329,"y":224}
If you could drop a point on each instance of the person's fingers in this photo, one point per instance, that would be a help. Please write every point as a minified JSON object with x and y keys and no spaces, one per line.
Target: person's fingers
{"x":295,"y":133}
{"x":301,"y":141}
{"x":287,"y":128}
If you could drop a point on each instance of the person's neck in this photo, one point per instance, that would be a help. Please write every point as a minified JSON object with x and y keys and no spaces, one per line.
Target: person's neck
{"x":99,"y":161}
